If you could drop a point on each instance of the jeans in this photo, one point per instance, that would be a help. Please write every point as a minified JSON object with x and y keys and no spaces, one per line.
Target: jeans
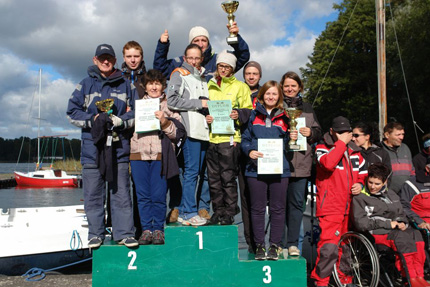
{"x":194,"y":152}
{"x":294,"y":209}
{"x":151,"y":189}
{"x":120,"y":201}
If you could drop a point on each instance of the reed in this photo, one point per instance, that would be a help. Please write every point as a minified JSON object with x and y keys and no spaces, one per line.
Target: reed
{"x":69,"y":165}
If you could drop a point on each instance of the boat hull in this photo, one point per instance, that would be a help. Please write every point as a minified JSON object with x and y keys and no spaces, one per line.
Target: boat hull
{"x":28,"y":179}
{"x":43,"y":237}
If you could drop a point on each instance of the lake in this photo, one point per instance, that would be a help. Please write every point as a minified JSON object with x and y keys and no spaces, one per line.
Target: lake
{"x":35,"y":197}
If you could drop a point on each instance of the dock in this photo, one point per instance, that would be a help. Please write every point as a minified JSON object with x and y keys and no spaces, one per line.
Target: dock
{"x":7,"y":180}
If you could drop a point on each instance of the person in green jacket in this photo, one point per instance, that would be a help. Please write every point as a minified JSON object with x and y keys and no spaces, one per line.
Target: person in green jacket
{"x":224,"y":149}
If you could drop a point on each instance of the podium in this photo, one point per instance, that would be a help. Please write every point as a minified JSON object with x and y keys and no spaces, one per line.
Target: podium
{"x":193,"y":256}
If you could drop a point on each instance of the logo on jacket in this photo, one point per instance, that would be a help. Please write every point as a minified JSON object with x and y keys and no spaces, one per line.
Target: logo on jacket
{"x":369,"y":210}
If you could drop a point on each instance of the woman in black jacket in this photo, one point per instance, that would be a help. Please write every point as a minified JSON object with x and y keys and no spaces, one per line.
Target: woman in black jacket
{"x":365,"y":135}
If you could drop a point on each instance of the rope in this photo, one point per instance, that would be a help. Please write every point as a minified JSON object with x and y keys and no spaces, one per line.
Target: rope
{"x":37,"y":274}
{"x":335,"y":52}
{"x":34,"y":272}
{"x":75,"y":238}
{"x":404,"y":76}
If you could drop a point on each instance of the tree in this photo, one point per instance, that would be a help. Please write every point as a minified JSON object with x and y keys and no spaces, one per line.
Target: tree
{"x":350,"y":88}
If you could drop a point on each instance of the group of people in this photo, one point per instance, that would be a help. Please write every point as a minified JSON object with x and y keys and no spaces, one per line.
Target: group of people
{"x":214,"y":169}
{"x":371,"y":188}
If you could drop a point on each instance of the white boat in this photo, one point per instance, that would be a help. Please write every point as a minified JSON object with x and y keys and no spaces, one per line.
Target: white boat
{"x":43,"y":237}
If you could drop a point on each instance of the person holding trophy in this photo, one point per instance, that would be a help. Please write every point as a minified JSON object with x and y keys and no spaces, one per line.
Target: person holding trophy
{"x":267,"y":127}
{"x":102,"y":105}
{"x":299,"y":156}
{"x":200,"y":36}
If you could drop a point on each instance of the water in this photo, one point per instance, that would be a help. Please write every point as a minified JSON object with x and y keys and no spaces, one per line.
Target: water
{"x":20,"y":197}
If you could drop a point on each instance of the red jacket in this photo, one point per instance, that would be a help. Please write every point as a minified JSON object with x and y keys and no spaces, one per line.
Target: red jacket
{"x":339,"y":166}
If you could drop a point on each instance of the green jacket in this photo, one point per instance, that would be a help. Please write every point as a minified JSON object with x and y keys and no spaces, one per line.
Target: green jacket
{"x":240,"y":96}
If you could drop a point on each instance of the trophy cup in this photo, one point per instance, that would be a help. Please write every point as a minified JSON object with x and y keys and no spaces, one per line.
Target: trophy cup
{"x":230,"y":7}
{"x":106,"y":106}
{"x":293,"y":114}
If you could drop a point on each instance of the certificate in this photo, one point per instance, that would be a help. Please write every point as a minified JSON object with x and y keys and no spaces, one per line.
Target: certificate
{"x":145,"y":120}
{"x":272,"y":161}
{"x":301,"y":140}
{"x":220,"y":111}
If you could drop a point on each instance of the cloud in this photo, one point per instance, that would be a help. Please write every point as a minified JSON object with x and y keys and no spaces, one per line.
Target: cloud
{"x":63,"y":35}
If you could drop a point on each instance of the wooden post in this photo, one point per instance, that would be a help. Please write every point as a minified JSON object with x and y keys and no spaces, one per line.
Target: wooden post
{"x":382,"y":87}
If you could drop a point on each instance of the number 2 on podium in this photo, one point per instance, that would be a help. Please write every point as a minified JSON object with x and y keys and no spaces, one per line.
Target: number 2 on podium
{"x":200,"y":234}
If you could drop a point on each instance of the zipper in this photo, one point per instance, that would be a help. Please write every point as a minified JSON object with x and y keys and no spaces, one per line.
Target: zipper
{"x":322,"y":202}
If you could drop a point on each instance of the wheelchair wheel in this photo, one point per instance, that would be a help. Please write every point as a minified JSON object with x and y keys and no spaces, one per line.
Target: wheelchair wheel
{"x":359,"y":261}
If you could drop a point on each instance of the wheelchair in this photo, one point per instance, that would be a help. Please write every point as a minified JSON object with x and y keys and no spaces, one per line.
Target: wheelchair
{"x":367,"y":264}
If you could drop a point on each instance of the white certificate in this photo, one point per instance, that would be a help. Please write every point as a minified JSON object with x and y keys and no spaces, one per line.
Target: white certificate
{"x":272,"y":161}
{"x":145,"y":120}
{"x":301,"y":140}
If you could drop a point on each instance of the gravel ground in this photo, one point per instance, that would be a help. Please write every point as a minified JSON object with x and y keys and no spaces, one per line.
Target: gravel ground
{"x":51,"y":280}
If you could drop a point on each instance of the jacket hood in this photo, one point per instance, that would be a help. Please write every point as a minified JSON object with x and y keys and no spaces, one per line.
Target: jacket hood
{"x":94,"y":72}
{"x":329,"y":141}
{"x":192,"y":70}
{"x":141,"y":69}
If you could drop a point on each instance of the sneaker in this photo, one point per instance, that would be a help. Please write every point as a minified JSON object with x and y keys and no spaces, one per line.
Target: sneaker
{"x":129,"y":242}
{"x":95,"y":242}
{"x":173,"y":215}
{"x":272,"y":254}
{"x":145,"y":238}
{"x":203,"y":213}
{"x":194,"y":221}
{"x":260,"y":252}
{"x":158,"y":238}
{"x":293,"y":251}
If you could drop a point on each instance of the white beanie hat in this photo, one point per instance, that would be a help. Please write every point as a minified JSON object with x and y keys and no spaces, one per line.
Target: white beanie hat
{"x":198,"y":31}
{"x":228,"y":58}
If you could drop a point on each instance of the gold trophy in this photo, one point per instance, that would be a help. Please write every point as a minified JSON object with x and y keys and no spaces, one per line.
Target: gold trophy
{"x":106,"y":106}
{"x":230,"y":7}
{"x":293,"y":114}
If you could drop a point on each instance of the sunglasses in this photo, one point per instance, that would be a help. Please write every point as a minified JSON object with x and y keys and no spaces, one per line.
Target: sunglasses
{"x":357,"y":135}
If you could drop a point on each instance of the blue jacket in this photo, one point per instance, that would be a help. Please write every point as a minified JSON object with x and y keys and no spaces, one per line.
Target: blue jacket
{"x":257,"y":129}
{"x":241,"y":51}
{"x":82,"y":109}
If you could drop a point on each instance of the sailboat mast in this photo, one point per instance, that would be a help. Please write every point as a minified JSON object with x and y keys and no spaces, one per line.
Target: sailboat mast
{"x":382,"y":86}
{"x":38,"y":120}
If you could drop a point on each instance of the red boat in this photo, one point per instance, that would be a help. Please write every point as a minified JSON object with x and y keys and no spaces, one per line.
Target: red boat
{"x":46,"y":178}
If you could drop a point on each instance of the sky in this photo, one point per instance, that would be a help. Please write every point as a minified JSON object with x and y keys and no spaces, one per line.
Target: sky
{"x":60,"y":37}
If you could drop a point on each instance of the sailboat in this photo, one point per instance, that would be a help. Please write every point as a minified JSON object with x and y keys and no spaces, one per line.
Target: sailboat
{"x":44,"y":177}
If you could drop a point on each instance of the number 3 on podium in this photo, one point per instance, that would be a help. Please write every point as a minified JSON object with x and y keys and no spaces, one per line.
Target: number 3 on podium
{"x":200,"y":235}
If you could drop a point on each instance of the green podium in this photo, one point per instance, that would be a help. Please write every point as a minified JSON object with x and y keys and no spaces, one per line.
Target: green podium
{"x":193,"y":256}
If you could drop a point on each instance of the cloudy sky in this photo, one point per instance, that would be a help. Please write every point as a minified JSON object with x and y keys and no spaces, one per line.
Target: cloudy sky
{"x":60,"y":37}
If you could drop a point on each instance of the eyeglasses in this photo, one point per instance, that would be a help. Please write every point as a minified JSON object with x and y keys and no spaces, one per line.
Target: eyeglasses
{"x":357,"y":135}
{"x":224,"y":67}
{"x":193,"y":58}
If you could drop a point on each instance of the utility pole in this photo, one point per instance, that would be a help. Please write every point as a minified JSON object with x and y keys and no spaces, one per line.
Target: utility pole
{"x":382,"y":82}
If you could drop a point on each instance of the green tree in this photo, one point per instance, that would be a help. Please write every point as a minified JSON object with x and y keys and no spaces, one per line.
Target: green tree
{"x":350,"y":88}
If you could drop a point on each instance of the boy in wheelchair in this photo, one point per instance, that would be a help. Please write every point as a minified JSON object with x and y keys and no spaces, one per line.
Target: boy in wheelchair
{"x":378,"y":210}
